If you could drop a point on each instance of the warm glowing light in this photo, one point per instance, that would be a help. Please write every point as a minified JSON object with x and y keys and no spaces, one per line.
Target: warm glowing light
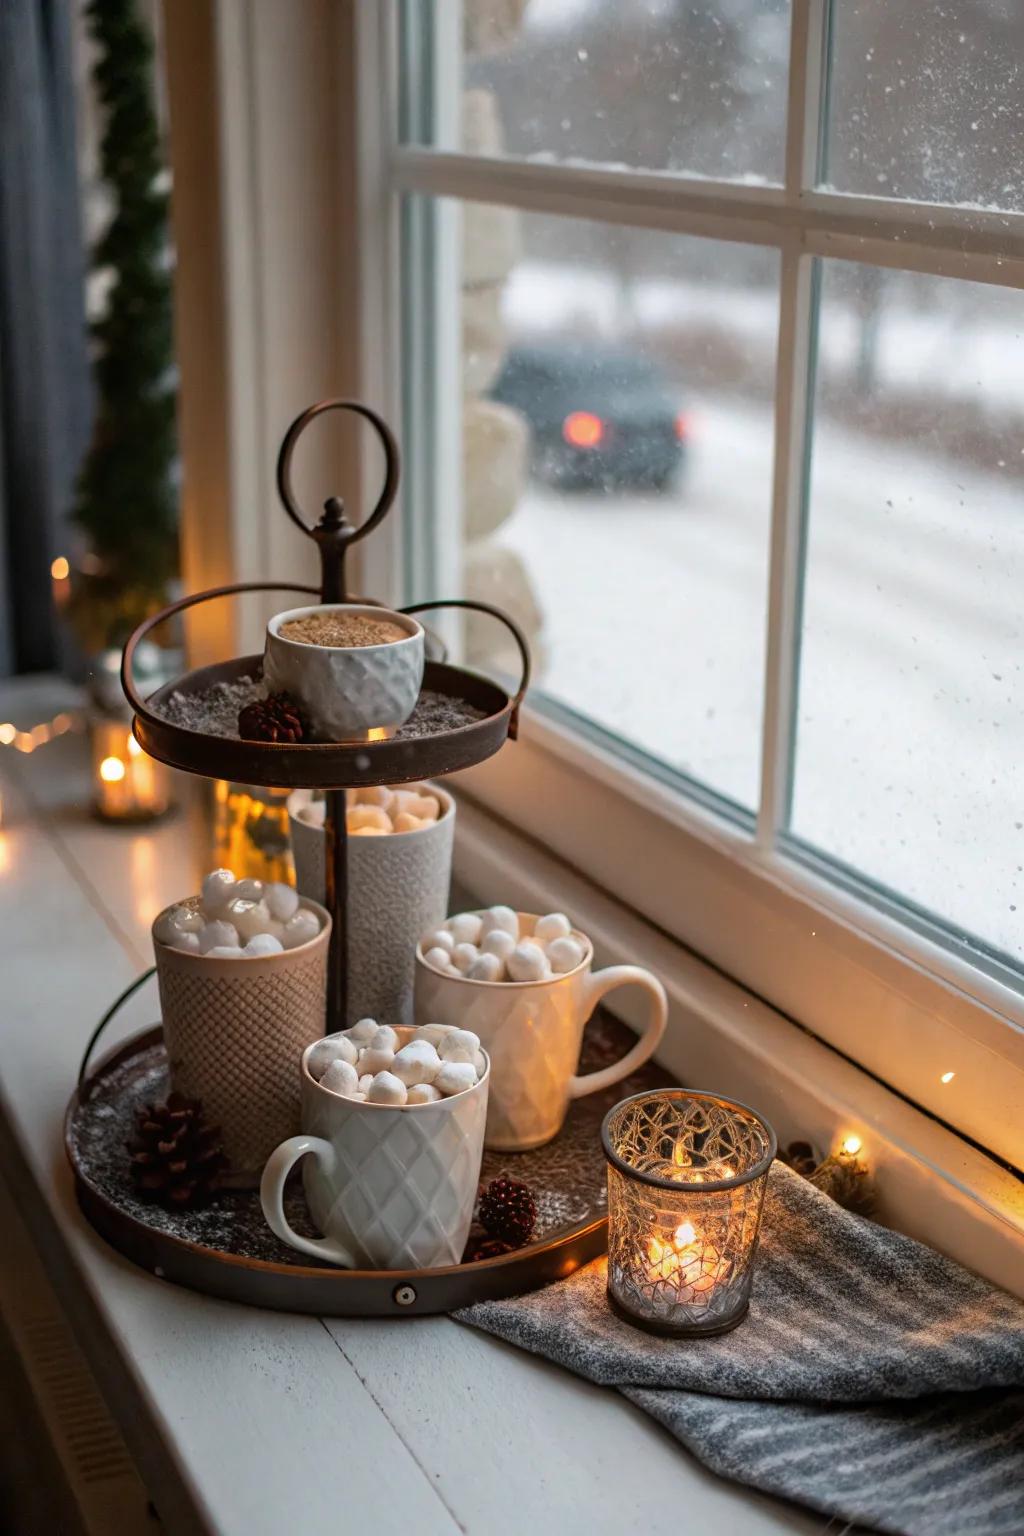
{"x":693,"y":1266}
{"x":7,"y":733}
{"x":947,"y":1077}
{"x":377,"y":733}
{"x":112,"y":770}
{"x":60,"y":569}
{"x":133,"y":747}
{"x":711,"y":1173}
{"x":851,"y":1145}
{"x":40,"y":734}
{"x":582,"y":429}
{"x":61,"y":723}
{"x":23,"y":741}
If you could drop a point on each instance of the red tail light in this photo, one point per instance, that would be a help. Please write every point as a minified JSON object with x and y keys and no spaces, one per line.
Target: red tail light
{"x":582,"y":429}
{"x":682,"y":426}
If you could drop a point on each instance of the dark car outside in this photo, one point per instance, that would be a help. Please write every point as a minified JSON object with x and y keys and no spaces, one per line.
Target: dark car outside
{"x":600,"y":417}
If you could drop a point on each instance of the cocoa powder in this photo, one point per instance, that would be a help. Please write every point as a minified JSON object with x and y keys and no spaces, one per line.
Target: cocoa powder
{"x":348,"y":630}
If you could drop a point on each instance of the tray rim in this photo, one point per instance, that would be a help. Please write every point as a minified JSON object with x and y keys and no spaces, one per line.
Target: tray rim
{"x":326,"y":765}
{"x":524,"y":1269}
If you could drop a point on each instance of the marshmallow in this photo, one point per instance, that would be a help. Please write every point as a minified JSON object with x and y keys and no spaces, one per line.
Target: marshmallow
{"x":486,"y":968}
{"x":409,"y":802}
{"x":439,"y":959}
{"x":385,"y":1039}
{"x":249,"y":917}
{"x":223,"y":952}
{"x":305,"y":925}
{"x":439,"y":939}
{"x":527,"y":962}
{"x":368,"y":831}
{"x":363,"y":1032}
{"x":435,"y":1033}
{"x":282,"y":901}
{"x":374,"y":1059}
{"x":178,"y":920}
{"x":370,"y":794}
{"x":368,"y":816}
{"x":500,"y":920}
{"x":405,"y":823}
{"x":263,"y":944}
{"x":423,"y":1093}
{"x":314,"y":814}
{"x":248,"y":890}
{"x":364,"y":1083}
{"x":217,"y":890}
{"x":564,"y":955}
{"x":463,"y":956}
{"x":218,"y":935}
{"x":334,"y":1048}
{"x":465,"y":927}
{"x":455,"y":1077}
{"x":555,"y":926}
{"x":480,"y":1063}
{"x":189,"y":942}
{"x":499,"y":943}
{"x":341,"y":1077}
{"x":417,"y":1062}
{"x":459,"y":1045}
{"x":386,"y":1088}
{"x":358,"y":1098}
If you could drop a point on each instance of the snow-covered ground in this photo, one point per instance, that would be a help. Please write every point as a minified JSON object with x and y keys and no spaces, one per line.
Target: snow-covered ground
{"x":910,"y":763}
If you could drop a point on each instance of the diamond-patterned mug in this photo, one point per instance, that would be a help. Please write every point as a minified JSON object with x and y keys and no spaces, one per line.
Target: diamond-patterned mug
{"x":532,"y":1031}
{"x":391,"y":1186}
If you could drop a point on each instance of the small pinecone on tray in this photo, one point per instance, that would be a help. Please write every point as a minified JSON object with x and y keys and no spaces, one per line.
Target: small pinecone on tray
{"x":482,"y":1246}
{"x":508,"y":1211}
{"x":176,"y":1158}
{"x":277,"y":718}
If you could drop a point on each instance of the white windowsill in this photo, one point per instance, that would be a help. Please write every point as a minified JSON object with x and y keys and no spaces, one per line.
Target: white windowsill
{"x":932,"y":1184}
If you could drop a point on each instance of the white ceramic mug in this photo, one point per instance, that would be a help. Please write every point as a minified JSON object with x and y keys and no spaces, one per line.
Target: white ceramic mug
{"x":532,"y":1031}
{"x":398,"y":888}
{"x":391,"y":1186}
{"x":347,"y":690}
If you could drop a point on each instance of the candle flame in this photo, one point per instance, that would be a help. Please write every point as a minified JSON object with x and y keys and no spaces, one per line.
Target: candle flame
{"x":111,"y":770}
{"x":851,"y":1145}
{"x":694,"y":1266}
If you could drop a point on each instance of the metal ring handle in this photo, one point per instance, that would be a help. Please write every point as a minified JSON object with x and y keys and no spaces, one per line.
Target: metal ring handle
{"x":392,"y":464}
{"x":517,"y":635}
{"x":128,"y":656}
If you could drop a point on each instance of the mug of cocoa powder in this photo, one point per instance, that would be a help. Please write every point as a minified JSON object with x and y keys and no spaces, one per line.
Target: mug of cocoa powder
{"x":355,"y":669}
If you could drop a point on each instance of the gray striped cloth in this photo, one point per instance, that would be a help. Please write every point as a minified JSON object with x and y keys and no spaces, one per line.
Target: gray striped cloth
{"x":873,"y":1379}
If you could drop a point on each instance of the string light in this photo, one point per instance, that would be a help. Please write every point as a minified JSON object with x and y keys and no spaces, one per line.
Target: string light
{"x":947,"y":1077}
{"x":38,"y":735}
{"x":60,"y":569}
{"x":112,"y":770}
{"x":851,"y":1145}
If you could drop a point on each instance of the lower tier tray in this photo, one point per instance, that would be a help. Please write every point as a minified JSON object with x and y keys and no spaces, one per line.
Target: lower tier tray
{"x":227,"y":1250}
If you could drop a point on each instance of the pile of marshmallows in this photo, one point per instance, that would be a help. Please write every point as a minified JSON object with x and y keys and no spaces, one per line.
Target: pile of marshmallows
{"x":367,"y":1063}
{"x":377,"y":811}
{"x":238,"y":920}
{"x":485,"y":946}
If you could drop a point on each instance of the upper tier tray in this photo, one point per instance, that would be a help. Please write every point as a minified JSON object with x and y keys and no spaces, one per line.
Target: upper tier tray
{"x":429,"y":753}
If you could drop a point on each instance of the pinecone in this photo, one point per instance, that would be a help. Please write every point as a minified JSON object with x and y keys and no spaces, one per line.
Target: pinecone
{"x":481,"y":1246}
{"x":508,"y":1211}
{"x":800,"y":1157}
{"x":277,"y":718}
{"x":176,"y":1158}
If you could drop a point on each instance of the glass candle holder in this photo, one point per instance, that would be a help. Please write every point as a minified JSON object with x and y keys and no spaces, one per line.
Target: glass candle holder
{"x":128,"y":784}
{"x":687,"y":1174}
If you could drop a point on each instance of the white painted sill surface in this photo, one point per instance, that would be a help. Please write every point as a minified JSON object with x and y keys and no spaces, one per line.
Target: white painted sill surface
{"x":253,"y":1422}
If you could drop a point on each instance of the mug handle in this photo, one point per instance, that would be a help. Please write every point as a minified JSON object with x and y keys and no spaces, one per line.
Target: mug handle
{"x":279,"y":1166}
{"x":598,"y":986}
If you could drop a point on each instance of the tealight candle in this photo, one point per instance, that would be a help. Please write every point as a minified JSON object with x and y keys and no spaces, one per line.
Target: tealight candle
{"x":686,"y":1181}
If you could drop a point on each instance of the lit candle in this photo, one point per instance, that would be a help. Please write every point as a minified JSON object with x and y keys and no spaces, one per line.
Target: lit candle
{"x":685,"y":1260}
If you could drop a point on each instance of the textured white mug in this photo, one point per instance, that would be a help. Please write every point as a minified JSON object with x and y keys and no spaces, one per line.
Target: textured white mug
{"x":391,"y":1186}
{"x":532,"y":1031}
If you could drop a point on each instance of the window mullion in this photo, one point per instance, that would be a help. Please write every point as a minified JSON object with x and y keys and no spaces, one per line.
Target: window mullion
{"x":792,"y":403}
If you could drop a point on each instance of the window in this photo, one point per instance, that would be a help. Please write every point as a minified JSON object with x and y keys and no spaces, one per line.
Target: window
{"x":713,"y":370}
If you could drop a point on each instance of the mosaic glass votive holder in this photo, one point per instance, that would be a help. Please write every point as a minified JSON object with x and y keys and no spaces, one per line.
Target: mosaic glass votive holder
{"x":687,"y":1174}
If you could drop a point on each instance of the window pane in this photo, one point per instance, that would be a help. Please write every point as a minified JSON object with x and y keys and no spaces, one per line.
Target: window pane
{"x":681,"y":85}
{"x":910,"y":744}
{"x":925,"y":101}
{"x":617,"y":449}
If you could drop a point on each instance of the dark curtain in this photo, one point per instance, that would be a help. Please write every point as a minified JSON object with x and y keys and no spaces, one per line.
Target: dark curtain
{"x":44,"y":370}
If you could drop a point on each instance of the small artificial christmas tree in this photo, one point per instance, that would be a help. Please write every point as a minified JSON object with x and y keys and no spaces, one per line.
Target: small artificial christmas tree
{"x":127,"y":494}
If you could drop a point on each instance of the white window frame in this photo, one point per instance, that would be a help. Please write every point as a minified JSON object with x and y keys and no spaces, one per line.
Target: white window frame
{"x":897,"y":998}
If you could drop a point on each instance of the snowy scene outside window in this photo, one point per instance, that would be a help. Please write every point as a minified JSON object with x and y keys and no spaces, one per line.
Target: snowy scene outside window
{"x":620,"y":413}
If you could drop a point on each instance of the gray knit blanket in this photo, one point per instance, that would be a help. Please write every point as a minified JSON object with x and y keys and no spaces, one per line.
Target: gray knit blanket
{"x":873,"y":1379}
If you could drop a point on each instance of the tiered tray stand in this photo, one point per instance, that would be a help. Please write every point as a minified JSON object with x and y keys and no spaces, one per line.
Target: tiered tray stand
{"x":333,"y":768}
